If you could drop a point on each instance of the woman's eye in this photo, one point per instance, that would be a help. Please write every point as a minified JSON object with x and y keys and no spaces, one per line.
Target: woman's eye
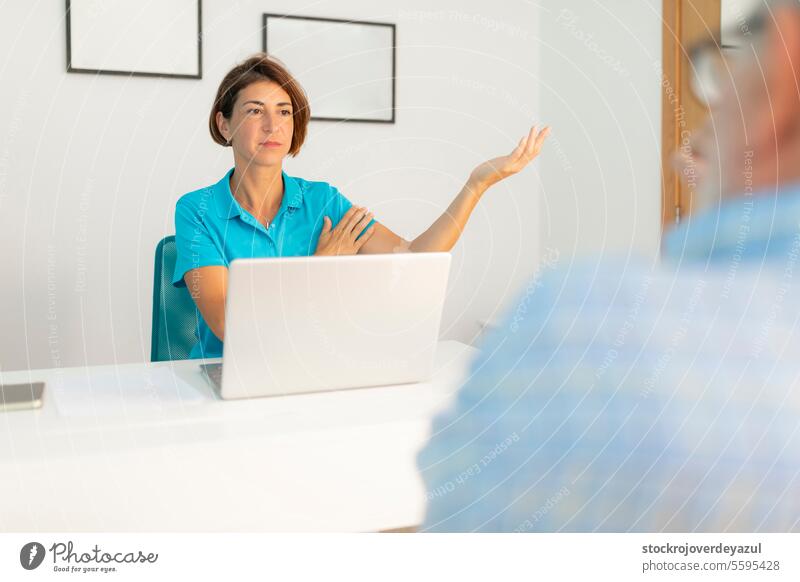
{"x":254,"y":111}
{"x":285,"y":112}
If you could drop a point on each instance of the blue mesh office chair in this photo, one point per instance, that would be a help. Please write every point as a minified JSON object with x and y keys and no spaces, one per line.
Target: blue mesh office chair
{"x":174,"y":312}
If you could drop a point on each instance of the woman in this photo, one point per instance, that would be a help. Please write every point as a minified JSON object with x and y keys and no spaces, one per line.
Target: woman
{"x":256,"y":210}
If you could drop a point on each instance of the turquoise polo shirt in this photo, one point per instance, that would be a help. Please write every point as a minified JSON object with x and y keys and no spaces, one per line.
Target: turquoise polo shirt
{"x":211,"y":228}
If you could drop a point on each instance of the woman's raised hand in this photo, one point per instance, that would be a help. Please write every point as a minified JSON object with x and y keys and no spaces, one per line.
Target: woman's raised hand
{"x":342,"y":239}
{"x":494,"y":170}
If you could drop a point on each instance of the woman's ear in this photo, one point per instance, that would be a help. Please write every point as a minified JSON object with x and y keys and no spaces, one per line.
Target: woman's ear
{"x":224,"y":127}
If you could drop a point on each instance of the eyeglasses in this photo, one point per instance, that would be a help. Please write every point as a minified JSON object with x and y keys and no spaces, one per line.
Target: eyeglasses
{"x":711,"y":62}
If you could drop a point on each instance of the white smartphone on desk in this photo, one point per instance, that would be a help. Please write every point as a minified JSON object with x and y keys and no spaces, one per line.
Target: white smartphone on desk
{"x":21,"y":396}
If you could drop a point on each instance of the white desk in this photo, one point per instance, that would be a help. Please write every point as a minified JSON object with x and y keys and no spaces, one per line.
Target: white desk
{"x":150,"y":447}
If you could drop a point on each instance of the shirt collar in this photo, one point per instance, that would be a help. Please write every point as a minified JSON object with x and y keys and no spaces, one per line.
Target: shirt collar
{"x":757,"y":226}
{"x":228,"y":207}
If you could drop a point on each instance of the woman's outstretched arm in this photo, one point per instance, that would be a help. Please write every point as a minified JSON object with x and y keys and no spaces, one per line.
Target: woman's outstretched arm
{"x":443,"y":234}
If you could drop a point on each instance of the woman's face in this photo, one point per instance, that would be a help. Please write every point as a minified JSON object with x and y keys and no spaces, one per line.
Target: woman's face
{"x":261,"y":125}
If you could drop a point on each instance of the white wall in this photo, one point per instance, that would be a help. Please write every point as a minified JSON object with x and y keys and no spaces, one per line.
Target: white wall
{"x":91,"y":166}
{"x":600,"y":68}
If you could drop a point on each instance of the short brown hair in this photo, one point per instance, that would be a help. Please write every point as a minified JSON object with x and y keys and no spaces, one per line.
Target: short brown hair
{"x":261,"y":67}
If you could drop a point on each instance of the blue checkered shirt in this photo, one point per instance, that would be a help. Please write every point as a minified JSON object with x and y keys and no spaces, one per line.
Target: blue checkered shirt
{"x":622,"y":395}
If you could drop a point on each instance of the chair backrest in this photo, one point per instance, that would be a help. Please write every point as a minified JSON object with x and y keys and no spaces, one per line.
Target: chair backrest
{"x":174,"y":312}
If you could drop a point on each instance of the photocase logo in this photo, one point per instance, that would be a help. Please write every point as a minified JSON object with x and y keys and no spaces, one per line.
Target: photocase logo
{"x":31,"y":555}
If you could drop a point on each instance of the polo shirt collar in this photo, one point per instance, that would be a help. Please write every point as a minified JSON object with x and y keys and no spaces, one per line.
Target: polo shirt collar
{"x":227,"y":206}
{"x":758,"y":226}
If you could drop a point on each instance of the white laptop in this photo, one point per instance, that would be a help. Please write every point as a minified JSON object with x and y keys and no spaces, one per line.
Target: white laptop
{"x":307,"y":324}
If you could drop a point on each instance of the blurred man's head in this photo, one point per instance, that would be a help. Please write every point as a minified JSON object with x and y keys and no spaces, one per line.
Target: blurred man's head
{"x":751,"y":140}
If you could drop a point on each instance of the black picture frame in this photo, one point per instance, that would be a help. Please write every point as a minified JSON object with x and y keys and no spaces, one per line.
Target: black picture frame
{"x":199,"y":75}
{"x":391,"y":25}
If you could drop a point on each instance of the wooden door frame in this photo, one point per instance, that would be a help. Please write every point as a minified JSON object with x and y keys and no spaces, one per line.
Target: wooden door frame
{"x":684,"y":22}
